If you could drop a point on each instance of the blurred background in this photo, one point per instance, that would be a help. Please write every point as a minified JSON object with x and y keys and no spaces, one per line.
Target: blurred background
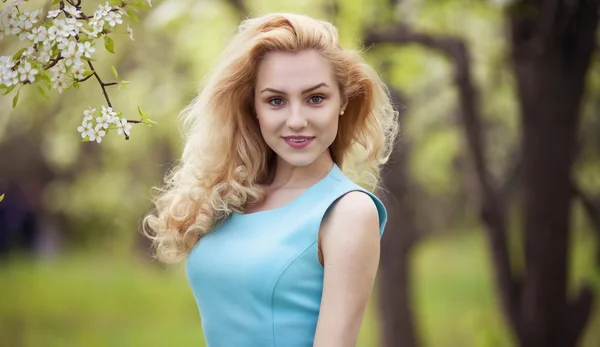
{"x":494,"y":226}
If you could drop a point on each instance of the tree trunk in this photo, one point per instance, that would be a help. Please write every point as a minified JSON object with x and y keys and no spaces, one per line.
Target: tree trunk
{"x":398,"y":328}
{"x":551,"y":49}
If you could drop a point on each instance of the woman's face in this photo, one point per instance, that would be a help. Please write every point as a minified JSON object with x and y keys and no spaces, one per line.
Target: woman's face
{"x":297,"y":96}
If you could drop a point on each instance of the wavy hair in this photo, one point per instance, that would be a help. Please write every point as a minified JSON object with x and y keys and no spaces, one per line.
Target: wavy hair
{"x":225,"y":158}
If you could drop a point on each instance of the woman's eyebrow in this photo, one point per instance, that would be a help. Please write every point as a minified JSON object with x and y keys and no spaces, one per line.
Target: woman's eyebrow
{"x":323,"y":84}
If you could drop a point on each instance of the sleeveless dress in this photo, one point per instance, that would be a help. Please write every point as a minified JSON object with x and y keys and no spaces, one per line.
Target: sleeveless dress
{"x":257,"y":278}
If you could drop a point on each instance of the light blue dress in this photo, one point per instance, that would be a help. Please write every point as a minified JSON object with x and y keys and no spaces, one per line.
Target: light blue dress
{"x":257,"y":278}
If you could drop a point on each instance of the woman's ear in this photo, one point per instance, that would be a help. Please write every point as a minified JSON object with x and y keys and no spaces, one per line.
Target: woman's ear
{"x":343,"y":108}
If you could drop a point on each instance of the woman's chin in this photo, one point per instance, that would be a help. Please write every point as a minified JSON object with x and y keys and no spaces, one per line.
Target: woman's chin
{"x":297,"y":159}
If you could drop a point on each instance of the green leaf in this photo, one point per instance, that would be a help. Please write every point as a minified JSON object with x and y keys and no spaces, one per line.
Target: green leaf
{"x":43,"y":93}
{"x":76,"y":85}
{"x":16,"y":99}
{"x":46,"y":79}
{"x":143,"y":115}
{"x":149,"y":122}
{"x":17,"y":55}
{"x":141,"y":4}
{"x":122,"y":84}
{"x":131,"y":14}
{"x":1,"y":197}
{"x":55,"y":2}
{"x":114,"y":71}
{"x":109,"y":44}
{"x":10,"y":89}
{"x":88,"y":73}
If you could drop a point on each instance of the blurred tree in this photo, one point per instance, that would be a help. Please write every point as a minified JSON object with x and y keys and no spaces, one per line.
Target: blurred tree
{"x":552,"y":43}
{"x":395,"y":276}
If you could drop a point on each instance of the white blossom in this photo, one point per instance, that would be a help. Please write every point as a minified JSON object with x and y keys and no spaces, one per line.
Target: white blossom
{"x":52,"y":36}
{"x":103,"y":10}
{"x":44,"y":54}
{"x":15,"y":2}
{"x":31,"y":17}
{"x":123,"y":127}
{"x":7,"y":75}
{"x":102,"y":122}
{"x":96,"y":134}
{"x":59,"y":36}
{"x":38,"y":34}
{"x":97,"y":24}
{"x":72,"y":11}
{"x":86,"y":49}
{"x":85,"y":129}
{"x":21,"y":24}
{"x":59,"y":68}
{"x":88,"y":114}
{"x":73,"y":26}
{"x":53,"y":14}
{"x":7,"y":62}
{"x":130,"y":32}
{"x":11,"y":27}
{"x":78,"y":72}
{"x":6,"y":72}
{"x":63,"y":30}
{"x":59,"y":83}
{"x":113,"y":18}
{"x":11,"y":78}
{"x":70,"y":52}
{"x":109,"y":114}
{"x":27,"y":73}
{"x":27,"y":53}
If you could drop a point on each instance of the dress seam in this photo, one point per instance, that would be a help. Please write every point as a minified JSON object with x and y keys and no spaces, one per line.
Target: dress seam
{"x":275,"y":286}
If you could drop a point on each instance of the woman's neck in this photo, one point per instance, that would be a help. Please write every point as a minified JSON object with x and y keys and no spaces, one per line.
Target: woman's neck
{"x":291,"y":176}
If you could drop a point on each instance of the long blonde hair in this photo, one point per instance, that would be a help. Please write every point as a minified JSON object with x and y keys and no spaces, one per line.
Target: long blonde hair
{"x":225,"y":157}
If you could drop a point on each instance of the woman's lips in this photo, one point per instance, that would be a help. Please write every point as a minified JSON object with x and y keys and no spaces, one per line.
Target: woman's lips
{"x":298,"y":141}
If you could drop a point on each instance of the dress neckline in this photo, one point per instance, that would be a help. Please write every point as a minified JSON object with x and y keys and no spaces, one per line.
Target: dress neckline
{"x":290,"y":204}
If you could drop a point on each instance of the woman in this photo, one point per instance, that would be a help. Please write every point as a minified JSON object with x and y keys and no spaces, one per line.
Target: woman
{"x":281,"y":246}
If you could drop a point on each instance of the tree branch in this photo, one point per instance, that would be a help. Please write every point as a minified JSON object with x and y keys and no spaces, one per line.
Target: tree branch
{"x":102,"y":85}
{"x":491,"y":202}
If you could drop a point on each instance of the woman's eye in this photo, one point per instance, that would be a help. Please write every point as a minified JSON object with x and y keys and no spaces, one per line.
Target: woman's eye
{"x":316,"y":99}
{"x":276,"y":101}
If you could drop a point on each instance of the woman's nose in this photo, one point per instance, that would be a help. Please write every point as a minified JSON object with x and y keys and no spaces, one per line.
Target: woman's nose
{"x":295,"y":118}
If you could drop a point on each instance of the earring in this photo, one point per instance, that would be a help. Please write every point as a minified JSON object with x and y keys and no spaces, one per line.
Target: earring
{"x":342,"y":113}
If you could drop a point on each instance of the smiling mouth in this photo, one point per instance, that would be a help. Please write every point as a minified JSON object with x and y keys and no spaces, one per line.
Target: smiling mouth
{"x":298,"y":138}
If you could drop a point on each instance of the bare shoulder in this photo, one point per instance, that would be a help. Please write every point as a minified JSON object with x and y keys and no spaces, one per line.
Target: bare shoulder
{"x":355,"y":206}
{"x":352,"y":218}
{"x":350,"y":249}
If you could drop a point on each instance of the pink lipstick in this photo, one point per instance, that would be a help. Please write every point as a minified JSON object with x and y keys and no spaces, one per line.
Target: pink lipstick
{"x":298,"y":141}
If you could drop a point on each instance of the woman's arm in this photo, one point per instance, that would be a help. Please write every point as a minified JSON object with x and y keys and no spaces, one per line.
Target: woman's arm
{"x":349,"y":242}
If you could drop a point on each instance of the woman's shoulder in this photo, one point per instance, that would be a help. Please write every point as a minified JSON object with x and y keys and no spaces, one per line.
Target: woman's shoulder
{"x":356,"y":205}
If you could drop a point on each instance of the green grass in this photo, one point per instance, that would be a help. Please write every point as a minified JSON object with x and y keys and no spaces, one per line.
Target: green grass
{"x":454,"y":295}
{"x":94,"y":300}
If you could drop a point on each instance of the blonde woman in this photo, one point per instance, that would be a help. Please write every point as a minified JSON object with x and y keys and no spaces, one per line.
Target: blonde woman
{"x":281,"y":245}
